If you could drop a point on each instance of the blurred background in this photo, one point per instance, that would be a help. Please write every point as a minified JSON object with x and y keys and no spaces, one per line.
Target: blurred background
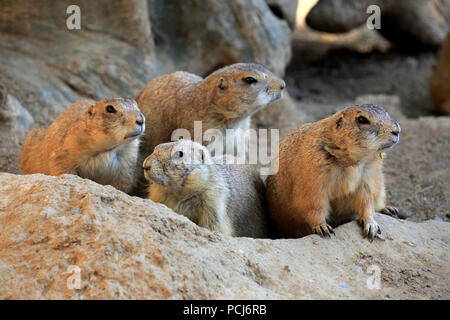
{"x":324,"y":50}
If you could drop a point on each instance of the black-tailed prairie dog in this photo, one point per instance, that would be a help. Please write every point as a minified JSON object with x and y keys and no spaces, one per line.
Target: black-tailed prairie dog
{"x":95,"y":140}
{"x":223,"y":197}
{"x":225,"y":99}
{"x":330,"y":172}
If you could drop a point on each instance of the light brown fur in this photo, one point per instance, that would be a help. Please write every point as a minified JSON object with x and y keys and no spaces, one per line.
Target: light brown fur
{"x":330,"y":172}
{"x":89,"y":141}
{"x":222,"y":197}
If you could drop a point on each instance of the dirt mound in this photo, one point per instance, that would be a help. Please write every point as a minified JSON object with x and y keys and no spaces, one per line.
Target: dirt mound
{"x":55,"y":229}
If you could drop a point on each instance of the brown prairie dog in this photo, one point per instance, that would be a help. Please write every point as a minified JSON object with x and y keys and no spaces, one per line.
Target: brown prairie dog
{"x":330,"y":172}
{"x":226,"y":99}
{"x":95,"y":140}
{"x":222,"y":197}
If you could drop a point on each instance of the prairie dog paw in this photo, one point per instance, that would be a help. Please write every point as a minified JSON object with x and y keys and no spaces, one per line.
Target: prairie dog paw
{"x":324,"y":230}
{"x":371,"y":229}
{"x":393,"y":212}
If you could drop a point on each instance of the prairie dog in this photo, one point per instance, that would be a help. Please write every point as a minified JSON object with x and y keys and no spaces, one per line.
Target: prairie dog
{"x":226,"y":99}
{"x":222,"y":197}
{"x":94,"y":140}
{"x":330,"y":171}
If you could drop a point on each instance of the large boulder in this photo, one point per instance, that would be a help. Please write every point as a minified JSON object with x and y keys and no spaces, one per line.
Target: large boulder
{"x":48,"y":67}
{"x":199,"y":36}
{"x":440,"y":81}
{"x":284,"y":10}
{"x":339,"y":16}
{"x":69,"y":238}
{"x":407,"y":23}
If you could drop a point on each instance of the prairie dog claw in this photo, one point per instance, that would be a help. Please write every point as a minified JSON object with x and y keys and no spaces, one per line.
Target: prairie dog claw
{"x":324,"y":230}
{"x":393,"y":212}
{"x":371,"y":229}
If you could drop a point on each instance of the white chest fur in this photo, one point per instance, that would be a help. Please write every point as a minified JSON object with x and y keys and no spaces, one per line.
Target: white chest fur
{"x":115,"y":167}
{"x":344,"y":181}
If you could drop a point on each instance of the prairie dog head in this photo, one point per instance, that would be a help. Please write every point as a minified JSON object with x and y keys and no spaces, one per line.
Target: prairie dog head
{"x":361,"y":132}
{"x":241,"y":89}
{"x":115,"y":122}
{"x":182,"y":166}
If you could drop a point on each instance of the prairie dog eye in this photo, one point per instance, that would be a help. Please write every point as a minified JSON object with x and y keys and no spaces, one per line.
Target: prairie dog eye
{"x":363,"y":120}
{"x":110,"y":109}
{"x":250,"y":80}
{"x":180,"y":154}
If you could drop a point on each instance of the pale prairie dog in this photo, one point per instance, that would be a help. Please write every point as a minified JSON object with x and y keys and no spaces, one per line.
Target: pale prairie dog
{"x":222,"y":197}
{"x":94,"y":140}
{"x":330,"y":172}
{"x":226,"y":99}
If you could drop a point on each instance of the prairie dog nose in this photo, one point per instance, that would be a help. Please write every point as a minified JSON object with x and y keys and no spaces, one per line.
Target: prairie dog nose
{"x":276,"y":85}
{"x":147,"y":164}
{"x":396,"y":130}
{"x":140,"y":120}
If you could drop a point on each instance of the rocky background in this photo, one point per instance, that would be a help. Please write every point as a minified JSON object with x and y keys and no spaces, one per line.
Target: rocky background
{"x":131,"y":248}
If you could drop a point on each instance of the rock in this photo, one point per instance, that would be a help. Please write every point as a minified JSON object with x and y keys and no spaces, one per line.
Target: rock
{"x":125,"y":20}
{"x":200,"y":36}
{"x":412,"y":23}
{"x":48,"y":67}
{"x":440,"y":81}
{"x":284,"y":10}
{"x":338,"y":16}
{"x":407,"y":23}
{"x":15,"y":121}
{"x":55,"y":229}
{"x":13,"y":116}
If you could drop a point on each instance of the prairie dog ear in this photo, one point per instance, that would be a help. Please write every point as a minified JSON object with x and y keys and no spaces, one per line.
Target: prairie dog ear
{"x":221,"y":84}
{"x":339,"y":123}
{"x":91,"y":111}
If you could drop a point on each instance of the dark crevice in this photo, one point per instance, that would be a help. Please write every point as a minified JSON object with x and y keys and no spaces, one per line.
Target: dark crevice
{"x":216,"y":67}
{"x":276,"y":10}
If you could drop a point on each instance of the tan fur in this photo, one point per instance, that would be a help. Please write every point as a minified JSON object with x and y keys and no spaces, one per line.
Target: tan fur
{"x":222,"y":197}
{"x":88,"y":141}
{"x":330,"y":171}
